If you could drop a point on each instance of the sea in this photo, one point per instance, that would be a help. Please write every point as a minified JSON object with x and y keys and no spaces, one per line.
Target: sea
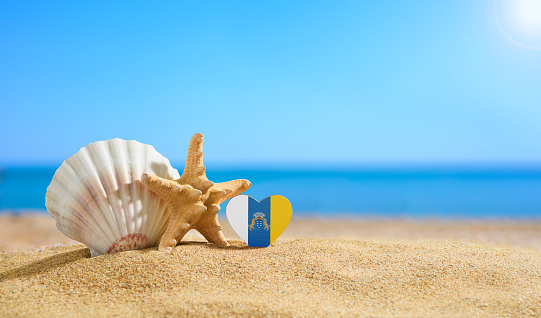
{"x":418,"y":192}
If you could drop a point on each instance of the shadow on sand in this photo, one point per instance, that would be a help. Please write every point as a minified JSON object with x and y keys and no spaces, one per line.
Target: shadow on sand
{"x":45,"y":264}
{"x":51,"y":262}
{"x":233,"y":245}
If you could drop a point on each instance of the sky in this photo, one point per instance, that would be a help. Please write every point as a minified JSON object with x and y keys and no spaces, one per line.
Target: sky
{"x":274,"y":82}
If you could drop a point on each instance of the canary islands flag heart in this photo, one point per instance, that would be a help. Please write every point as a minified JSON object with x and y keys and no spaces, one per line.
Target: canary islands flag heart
{"x":259,"y":223}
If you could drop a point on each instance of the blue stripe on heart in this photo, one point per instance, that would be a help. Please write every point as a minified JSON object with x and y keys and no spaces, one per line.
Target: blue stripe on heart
{"x":259,"y":236}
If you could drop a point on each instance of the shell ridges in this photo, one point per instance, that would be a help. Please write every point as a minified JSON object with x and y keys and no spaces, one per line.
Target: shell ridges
{"x":97,"y":197}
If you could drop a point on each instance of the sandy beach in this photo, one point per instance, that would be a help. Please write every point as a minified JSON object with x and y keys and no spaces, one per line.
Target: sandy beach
{"x":319,"y":267}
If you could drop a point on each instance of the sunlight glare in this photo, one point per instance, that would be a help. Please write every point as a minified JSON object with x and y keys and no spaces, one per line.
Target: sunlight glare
{"x":520,"y":21}
{"x":527,"y":15}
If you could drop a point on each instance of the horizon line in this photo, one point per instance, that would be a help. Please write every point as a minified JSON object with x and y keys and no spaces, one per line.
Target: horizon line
{"x":326,"y":165}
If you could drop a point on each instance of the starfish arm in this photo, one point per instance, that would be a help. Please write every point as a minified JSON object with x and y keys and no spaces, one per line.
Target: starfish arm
{"x":194,"y":170}
{"x":168,"y":190}
{"x":208,"y":224}
{"x":232,"y":188}
{"x":184,"y":204}
{"x":194,"y":160}
{"x":182,"y":216}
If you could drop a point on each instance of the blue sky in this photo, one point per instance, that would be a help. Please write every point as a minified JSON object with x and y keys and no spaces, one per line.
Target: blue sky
{"x":268,"y":82}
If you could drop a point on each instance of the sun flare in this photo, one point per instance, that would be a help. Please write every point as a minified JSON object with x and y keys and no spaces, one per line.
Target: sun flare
{"x":520,"y":21}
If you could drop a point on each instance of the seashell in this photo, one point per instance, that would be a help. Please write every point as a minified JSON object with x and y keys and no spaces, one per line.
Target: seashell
{"x":97,"y":197}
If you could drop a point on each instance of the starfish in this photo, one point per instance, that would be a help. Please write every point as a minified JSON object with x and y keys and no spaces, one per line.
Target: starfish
{"x":193,"y":200}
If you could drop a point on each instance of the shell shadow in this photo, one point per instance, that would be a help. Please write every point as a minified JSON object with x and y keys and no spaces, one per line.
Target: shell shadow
{"x":51,"y":262}
{"x":45,"y":264}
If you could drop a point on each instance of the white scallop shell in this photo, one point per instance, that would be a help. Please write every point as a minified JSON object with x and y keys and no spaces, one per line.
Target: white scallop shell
{"x":97,"y":198}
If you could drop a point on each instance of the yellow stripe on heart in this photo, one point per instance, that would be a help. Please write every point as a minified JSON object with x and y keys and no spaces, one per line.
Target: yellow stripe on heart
{"x":281,"y":213}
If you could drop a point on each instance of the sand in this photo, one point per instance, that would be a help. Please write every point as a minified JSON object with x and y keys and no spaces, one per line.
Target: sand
{"x":472,"y":269}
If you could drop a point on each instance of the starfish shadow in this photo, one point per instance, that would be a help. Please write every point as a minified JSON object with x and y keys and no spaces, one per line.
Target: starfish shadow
{"x":233,"y":245}
{"x":45,"y":264}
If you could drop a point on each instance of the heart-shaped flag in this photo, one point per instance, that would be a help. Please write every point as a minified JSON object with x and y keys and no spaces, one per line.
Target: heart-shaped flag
{"x":259,"y":223}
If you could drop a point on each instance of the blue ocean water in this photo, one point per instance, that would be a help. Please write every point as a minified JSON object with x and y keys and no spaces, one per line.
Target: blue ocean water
{"x":415,"y":192}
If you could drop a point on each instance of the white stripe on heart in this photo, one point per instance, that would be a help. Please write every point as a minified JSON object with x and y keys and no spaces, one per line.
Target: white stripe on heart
{"x":237,"y":215}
